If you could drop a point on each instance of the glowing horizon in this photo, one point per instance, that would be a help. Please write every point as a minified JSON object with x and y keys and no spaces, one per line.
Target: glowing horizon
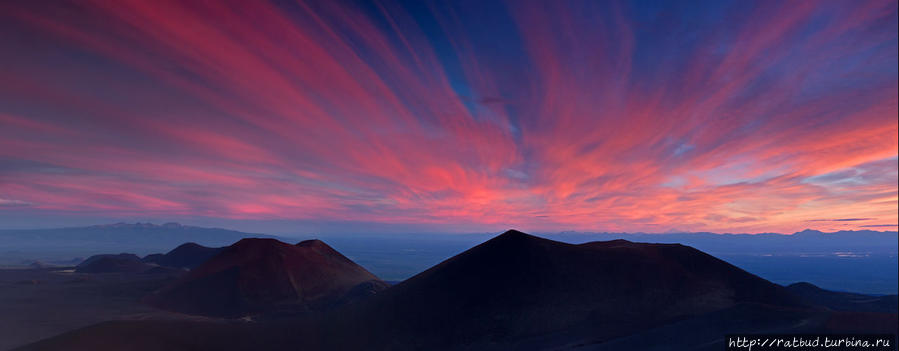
{"x":632,"y":116}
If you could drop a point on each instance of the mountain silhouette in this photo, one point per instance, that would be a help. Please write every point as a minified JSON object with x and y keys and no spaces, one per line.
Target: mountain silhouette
{"x":118,"y":237}
{"x":121,"y":263}
{"x":187,"y":255}
{"x":262,"y":275}
{"x":519,"y":292}
{"x":518,"y":286}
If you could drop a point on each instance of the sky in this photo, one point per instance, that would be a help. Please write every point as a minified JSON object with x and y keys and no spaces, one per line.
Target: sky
{"x":451,"y":116}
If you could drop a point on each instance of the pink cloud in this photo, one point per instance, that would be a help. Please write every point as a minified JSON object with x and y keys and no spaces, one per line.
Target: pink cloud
{"x":251,"y":110}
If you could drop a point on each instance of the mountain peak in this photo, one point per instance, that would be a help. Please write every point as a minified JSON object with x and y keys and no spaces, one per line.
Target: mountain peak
{"x":537,"y":280}
{"x":311,"y":243}
{"x":512,"y":240}
{"x":110,"y":263}
{"x":187,"y":255}
{"x":809,"y":232}
{"x":513,"y":234}
{"x":258,"y":242}
{"x":619,"y":242}
{"x":259,"y":274}
{"x":515,"y":239}
{"x":189,"y":244}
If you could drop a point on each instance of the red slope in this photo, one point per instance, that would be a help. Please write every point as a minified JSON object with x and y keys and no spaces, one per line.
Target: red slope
{"x":261,"y":275}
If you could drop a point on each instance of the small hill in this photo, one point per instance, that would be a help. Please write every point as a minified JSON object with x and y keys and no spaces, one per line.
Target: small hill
{"x":41,"y":265}
{"x":265,"y":275}
{"x":121,"y":263}
{"x":844,"y":301}
{"x":188,"y":255}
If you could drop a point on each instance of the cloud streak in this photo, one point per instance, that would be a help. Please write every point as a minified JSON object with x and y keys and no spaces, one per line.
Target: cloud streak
{"x":13,"y":203}
{"x":547,"y":116}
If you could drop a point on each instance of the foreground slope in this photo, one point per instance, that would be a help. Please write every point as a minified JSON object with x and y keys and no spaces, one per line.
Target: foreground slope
{"x":262,"y":275}
{"x":844,"y":301}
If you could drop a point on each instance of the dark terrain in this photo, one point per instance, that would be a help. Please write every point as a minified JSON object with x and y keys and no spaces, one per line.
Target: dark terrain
{"x":844,"y":301}
{"x":38,"y":303}
{"x":518,"y":291}
{"x":189,"y":255}
{"x":121,"y":263}
{"x":861,"y":261}
{"x":260,"y":275}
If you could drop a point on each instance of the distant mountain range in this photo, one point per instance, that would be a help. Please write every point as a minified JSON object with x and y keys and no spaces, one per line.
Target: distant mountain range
{"x":150,"y":237}
{"x":864,"y":261}
{"x":860,"y":242}
{"x":513,"y":292}
{"x":138,"y":238}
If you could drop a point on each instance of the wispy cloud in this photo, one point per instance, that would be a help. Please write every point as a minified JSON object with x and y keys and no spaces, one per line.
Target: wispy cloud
{"x":841,"y":220}
{"x":717,"y":116}
{"x":13,"y":203}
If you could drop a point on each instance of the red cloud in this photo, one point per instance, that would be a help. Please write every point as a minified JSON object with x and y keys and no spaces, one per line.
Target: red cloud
{"x":322,"y":111}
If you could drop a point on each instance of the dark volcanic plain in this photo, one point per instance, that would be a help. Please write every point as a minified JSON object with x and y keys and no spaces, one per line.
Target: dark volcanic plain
{"x":521,"y":292}
{"x":38,"y":303}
